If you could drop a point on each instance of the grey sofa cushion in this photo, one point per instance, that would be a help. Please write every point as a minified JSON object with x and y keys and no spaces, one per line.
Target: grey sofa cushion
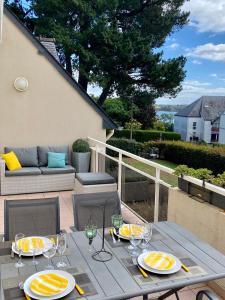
{"x":26,"y":171}
{"x":43,"y":153}
{"x":27,"y":156}
{"x":51,"y":171}
{"x":95,"y":178}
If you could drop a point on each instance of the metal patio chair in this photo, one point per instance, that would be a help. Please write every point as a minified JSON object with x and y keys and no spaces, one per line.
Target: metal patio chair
{"x":206,"y":294}
{"x":31,"y":217}
{"x":89,"y":208}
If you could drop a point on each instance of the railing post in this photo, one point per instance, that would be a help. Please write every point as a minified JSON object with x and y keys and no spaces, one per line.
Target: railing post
{"x":96,"y":158}
{"x":120,"y":175}
{"x":157,"y":186}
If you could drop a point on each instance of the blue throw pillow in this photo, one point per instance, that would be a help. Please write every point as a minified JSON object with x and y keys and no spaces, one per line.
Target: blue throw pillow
{"x":56,"y":160}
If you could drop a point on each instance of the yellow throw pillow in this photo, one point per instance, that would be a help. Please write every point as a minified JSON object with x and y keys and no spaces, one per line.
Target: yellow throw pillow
{"x":11,"y":161}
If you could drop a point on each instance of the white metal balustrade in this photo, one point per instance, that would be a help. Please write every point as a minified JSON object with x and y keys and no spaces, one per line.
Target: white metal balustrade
{"x":100,"y":148}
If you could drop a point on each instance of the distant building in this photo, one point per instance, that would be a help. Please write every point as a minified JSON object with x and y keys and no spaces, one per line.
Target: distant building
{"x":202,"y":120}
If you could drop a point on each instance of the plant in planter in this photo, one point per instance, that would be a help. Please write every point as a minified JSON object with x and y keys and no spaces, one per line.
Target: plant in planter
{"x":81,"y":155}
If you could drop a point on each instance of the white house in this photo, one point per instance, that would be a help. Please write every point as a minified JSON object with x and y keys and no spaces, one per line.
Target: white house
{"x":202,"y":120}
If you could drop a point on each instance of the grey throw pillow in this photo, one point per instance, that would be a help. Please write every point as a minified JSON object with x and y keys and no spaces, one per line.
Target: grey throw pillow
{"x":27,"y":156}
{"x":43,"y":153}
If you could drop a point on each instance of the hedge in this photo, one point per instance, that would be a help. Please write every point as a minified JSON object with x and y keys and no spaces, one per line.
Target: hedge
{"x":126,"y":145}
{"x":148,"y":135}
{"x":193,"y":155}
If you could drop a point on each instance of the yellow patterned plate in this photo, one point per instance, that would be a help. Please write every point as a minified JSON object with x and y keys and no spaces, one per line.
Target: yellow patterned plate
{"x":49,"y":285}
{"x":27,"y":245}
{"x":125,"y":231}
{"x":159,"y":262}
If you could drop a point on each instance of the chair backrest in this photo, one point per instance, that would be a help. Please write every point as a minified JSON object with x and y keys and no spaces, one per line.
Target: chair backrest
{"x":88,"y":207}
{"x":31,"y":217}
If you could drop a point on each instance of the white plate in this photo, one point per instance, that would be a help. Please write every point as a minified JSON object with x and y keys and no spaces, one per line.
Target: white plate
{"x":122,"y":236}
{"x":68,"y":290}
{"x":47,"y":246}
{"x":142,"y":264}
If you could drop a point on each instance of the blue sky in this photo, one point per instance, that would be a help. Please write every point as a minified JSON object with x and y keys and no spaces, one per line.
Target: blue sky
{"x":202,"y":41}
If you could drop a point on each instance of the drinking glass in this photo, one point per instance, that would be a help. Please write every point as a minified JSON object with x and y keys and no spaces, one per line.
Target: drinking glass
{"x":90,"y":232}
{"x":49,"y":254}
{"x":36,"y":249}
{"x":19,"y":248}
{"x":61,"y":247}
{"x":117,"y":222}
{"x":146,"y":237}
{"x":135,"y":239}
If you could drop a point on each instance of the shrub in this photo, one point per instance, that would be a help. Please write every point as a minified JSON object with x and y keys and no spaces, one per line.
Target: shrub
{"x":202,"y":173}
{"x":135,"y":125}
{"x":126,"y":145}
{"x":148,"y":135}
{"x":193,"y":155}
{"x":81,"y":145}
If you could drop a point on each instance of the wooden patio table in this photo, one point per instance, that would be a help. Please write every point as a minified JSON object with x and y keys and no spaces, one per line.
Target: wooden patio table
{"x":120,"y":278}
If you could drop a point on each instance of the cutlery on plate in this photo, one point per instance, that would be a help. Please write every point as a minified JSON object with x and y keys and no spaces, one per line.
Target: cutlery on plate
{"x":185,"y":268}
{"x":144,"y":274}
{"x":79,"y":289}
{"x":21,"y":287}
{"x":112,"y":235}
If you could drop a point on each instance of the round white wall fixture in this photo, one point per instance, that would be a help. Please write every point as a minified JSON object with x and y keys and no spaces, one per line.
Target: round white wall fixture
{"x":21,"y":84}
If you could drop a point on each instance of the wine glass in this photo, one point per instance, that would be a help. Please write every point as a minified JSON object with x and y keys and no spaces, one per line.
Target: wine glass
{"x":117,"y":222}
{"x":49,"y":254}
{"x":90,"y":232}
{"x":35,"y":249}
{"x":61,"y":247}
{"x":19,"y":249}
{"x":146,"y":237}
{"x":135,"y":238}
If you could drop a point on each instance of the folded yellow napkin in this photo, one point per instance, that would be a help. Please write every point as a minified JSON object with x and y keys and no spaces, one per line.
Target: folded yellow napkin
{"x":125,"y":230}
{"x":29,"y":243}
{"x":159,"y":261}
{"x":48,"y":284}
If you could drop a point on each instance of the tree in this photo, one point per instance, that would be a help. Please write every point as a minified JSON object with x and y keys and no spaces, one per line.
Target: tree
{"x":112,"y":43}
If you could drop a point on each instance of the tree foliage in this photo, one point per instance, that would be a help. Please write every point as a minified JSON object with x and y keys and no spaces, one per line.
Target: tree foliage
{"x":112,"y":43}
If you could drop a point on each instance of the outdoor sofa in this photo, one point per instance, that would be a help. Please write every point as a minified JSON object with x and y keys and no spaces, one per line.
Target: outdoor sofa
{"x":35,"y":176}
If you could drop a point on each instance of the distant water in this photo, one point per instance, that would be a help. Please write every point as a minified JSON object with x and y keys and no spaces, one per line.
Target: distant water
{"x":161,"y":112}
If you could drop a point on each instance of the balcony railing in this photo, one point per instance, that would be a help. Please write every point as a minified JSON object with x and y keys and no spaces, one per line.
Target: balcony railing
{"x":160,"y":175}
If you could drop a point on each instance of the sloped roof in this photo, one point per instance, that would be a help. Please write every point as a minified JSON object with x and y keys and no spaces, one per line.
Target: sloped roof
{"x":207,"y":107}
{"x":108,"y":123}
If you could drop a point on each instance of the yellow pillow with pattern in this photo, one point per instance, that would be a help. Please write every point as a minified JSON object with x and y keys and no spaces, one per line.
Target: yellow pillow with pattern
{"x":11,"y":161}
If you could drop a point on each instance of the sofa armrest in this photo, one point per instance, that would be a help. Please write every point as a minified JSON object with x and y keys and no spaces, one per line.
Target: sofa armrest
{"x":2,"y":168}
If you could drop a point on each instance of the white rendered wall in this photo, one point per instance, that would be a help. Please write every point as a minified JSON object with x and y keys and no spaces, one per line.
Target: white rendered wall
{"x":180,"y":126}
{"x":222,"y":129}
{"x":207,"y":131}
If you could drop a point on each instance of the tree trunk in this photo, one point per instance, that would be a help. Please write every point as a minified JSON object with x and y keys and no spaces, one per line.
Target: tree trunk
{"x":68,"y":63}
{"x":104,"y":94}
{"x":83,"y":81}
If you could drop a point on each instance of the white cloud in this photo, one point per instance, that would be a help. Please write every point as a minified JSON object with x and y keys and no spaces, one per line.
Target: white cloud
{"x":173,"y":46}
{"x":196,"y":62}
{"x":207,"y":15}
{"x":208,"y":51}
{"x":213,"y":75}
{"x":192,"y":90}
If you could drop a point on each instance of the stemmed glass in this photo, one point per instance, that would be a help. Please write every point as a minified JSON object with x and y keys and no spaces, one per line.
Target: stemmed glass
{"x":117,"y":222}
{"x":19,"y":248}
{"x":90,"y":232}
{"x":61,"y":247}
{"x":35,"y":249}
{"x":135,"y":239}
{"x":49,"y":254}
{"x":146,"y":237}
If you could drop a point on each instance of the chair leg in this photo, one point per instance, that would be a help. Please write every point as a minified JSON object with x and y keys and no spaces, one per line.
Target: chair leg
{"x":210,"y":295}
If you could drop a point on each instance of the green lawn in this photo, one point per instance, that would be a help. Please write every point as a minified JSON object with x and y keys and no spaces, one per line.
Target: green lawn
{"x":169,"y":178}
